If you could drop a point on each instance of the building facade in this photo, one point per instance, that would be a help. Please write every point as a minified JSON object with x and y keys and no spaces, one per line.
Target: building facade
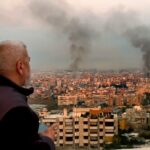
{"x":92,"y":128}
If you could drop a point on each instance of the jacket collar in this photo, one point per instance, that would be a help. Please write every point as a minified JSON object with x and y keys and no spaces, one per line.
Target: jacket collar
{"x":6,"y":82}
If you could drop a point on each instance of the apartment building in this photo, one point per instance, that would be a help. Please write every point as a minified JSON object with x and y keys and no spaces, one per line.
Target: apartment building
{"x":67,"y":100}
{"x":91,"y":128}
{"x":138,"y":117}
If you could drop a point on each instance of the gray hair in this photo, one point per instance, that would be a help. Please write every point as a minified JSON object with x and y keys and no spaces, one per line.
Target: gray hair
{"x":10,"y":52}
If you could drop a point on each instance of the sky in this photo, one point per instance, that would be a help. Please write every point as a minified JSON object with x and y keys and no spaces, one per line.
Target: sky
{"x":88,"y":34}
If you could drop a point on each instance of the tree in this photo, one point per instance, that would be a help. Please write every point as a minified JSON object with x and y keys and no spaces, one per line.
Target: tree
{"x":146,"y":100}
{"x":52,"y":105}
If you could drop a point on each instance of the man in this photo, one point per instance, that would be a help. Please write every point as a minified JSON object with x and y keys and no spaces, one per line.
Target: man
{"x":18,"y":123}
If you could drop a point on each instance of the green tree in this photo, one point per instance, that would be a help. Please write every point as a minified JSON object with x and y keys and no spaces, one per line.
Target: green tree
{"x":146,"y":99}
{"x":52,"y":105}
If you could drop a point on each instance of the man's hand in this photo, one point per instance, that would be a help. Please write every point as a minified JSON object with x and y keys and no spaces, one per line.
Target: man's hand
{"x":51,"y":131}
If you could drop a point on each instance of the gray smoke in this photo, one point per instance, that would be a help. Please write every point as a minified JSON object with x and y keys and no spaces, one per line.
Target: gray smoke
{"x":79,"y":37}
{"x":58,"y":15}
{"x":140,"y":38}
{"x":120,"y":25}
{"x":127,"y":24}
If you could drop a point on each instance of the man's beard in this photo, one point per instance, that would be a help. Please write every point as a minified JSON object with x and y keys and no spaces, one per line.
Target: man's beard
{"x":28,"y":81}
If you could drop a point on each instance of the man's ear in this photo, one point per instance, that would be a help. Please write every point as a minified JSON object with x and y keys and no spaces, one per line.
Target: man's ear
{"x":20,"y":67}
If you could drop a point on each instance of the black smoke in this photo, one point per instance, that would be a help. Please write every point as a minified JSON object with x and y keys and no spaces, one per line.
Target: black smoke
{"x":58,"y":15}
{"x":140,"y":38}
{"x":128,"y":25}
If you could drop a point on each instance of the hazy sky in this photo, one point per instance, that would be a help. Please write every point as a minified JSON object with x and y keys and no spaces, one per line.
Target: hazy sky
{"x":45,"y":26}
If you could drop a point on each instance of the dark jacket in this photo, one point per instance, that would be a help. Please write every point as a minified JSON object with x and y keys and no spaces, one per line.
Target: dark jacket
{"x":18,"y":122}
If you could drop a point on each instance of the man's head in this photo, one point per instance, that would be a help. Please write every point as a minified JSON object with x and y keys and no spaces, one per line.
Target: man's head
{"x":14,"y":62}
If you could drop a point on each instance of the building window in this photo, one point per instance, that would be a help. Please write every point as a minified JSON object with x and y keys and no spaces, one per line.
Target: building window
{"x":85,"y":130}
{"x":85,"y":137}
{"x":61,"y":130}
{"x":109,"y":123}
{"x":109,"y":132}
{"x":76,"y":130}
{"x":76,"y":122}
{"x":61,"y":123}
{"x":69,"y":138}
{"x":93,"y":130}
{"x":85,"y":122}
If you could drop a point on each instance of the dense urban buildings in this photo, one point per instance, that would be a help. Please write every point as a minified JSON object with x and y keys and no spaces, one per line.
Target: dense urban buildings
{"x":92,"y":108}
{"x":114,"y":89}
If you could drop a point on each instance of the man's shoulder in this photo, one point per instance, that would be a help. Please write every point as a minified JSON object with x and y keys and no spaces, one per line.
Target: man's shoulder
{"x":7,"y":92}
{"x":9,"y":99}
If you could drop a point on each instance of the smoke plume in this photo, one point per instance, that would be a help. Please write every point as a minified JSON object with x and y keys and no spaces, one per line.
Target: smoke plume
{"x":120,"y":25}
{"x":127,"y":24}
{"x":58,"y":15}
{"x":140,"y":38}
